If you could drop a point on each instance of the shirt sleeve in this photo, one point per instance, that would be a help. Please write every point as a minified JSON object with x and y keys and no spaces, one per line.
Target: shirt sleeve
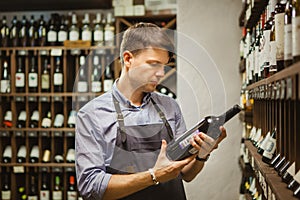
{"x":92,"y":179}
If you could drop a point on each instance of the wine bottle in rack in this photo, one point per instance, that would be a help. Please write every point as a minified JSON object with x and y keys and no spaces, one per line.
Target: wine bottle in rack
{"x":46,"y":156}
{"x":57,"y":193}
{"x":42,"y":32}
{"x":33,"y":76}
{"x":296,"y":30}
{"x":82,"y":83}
{"x":52,"y":32}
{"x":7,"y":120}
{"x":34,"y":154}
{"x":23,"y":32}
{"x":13,"y":32}
{"x":58,"y":78}
{"x":70,"y":155}
{"x":20,"y":76}
{"x":72,"y":119}
{"x":71,"y":192}
{"x":108,"y":74}
{"x":96,"y":75}
{"x":59,"y":120}
{"x":21,"y":155}
{"x":269,"y":152}
{"x":109,"y":30}
{"x":33,"y":191}
{"x":22,"y":193}
{"x":74,"y":29}
{"x":5,"y":78}
{"x":4,"y":31}
{"x":98,"y":31}
{"x":6,"y":187}
{"x":62,"y":34}
{"x":288,"y":46}
{"x":45,"y":85}
{"x":7,"y":154}
{"x":21,"y":122}
{"x":86,"y":33}
{"x":45,"y":189}
{"x":32,"y":32}
{"x":46,"y":122}
{"x":34,"y":119}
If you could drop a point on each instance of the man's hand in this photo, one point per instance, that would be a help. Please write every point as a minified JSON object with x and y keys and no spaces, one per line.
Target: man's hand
{"x":205,"y":144}
{"x":165,"y":169}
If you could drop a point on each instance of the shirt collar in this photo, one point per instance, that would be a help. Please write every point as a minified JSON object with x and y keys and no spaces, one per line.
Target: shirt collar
{"x":124,"y":101}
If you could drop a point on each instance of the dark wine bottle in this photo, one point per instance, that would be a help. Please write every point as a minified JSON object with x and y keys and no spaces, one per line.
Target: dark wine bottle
{"x":32,"y":32}
{"x":33,"y":77}
{"x":74,"y":29}
{"x":58,"y":78}
{"x":96,"y":75}
{"x":62,"y":34}
{"x":108,"y":74}
{"x":7,"y":154}
{"x":20,"y":77}
{"x":21,"y":122}
{"x":13,"y":33}
{"x":269,"y":152}
{"x":34,"y":119}
{"x":4,"y":31}
{"x":98,"y":35}
{"x":71,"y":192}
{"x":180,"y":148}
{"x":33,"y":191}
{"x":21,"y":155}
{"x":34,"y":154}
{"x":57,"y":193}
{"x":45,"y":82}
{"x":42,"y":32}
{"x":45,"y":191}
{"x":7,"y":121}
{"x":288,"y":51}
{"x":52,"y":32}
{"x":5,"y":79}
{"x":82,"y":84}
{"x":23,"y":32}
{"x":6,"y":188}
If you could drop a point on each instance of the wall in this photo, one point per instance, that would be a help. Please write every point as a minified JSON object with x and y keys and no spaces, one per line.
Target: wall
{"x":208,"y":82}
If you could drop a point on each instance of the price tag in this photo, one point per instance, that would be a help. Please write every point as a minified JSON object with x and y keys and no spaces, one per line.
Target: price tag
{"x":70,"y":134}
{"x":19,"y":133}
{"x":57,"y":99}
{"x":43,"y":52}
{"x":70,"y":169}
{"x":19,"y":169}
{"x":32,"y":134}
{"x":56,"y":52}
{"x":44,"y":99}
{"x":75,"y":52}
{"x":58,"y":134}
{"x":19,"y":99}
{"x":32,"y":99}
{"x":22,"y":52}
{"x":45,"y":133}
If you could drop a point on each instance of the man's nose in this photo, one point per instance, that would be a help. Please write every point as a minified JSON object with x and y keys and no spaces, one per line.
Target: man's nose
{"x":161,"y":71}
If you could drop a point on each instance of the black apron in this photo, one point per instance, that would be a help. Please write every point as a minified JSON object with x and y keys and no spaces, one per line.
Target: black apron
{"x":136,"y":150}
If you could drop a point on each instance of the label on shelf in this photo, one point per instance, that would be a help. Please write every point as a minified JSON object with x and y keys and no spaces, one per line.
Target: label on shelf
{"x":18,"y":169}
{"x":56,"y":52}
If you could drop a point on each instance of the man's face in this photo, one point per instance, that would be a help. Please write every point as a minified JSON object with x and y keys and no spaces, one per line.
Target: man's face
{"x":147,"y":68}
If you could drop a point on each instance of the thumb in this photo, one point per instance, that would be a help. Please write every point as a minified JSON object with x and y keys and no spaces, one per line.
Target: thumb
{"x":163,"y":146}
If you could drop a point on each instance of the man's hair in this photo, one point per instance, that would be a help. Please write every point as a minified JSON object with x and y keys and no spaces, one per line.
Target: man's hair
{"x":145,"y":35}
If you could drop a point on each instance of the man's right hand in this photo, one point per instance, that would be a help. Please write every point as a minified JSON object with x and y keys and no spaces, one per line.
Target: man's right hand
{"x":165,"y":169}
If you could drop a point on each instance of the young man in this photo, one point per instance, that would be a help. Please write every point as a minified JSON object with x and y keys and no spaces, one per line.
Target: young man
{"x":122,"y":135}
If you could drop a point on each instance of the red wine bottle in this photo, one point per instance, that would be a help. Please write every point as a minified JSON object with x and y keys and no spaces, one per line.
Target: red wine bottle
{"x":180,"y":148}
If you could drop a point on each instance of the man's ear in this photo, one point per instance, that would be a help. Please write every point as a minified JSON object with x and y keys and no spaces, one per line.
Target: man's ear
{"x":127,"y":58}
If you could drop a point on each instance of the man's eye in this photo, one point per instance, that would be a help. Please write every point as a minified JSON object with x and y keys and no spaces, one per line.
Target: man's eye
{"x":155,"y":65}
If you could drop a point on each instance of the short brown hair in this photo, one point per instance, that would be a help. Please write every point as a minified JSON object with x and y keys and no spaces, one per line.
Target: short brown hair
{"x":143,"y":35}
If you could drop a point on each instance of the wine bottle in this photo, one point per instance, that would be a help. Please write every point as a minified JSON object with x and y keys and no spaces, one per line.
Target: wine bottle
{"x":7,"y":154}
{"x":22,"y":193}
{"x":13,"y":33}
{"x":45,"y":85}
{"x":109,"y":31}
{"x":44,"y":191}
{"x":52,"y":32}
{"x":7,"y":121}
{"x":33,"y":192}
{"x":71,"y":192}
{"x":289,"y":173}
{"x":33,"y":76}
{"x":58,"y":121}
{"x":288,"y":57}
{"x":5,"y":79}
{"x":34,"y":119}
{"x":34,"y":154}
{"x":263,"y":145}
{"x":82,"y":84}
{"x":279,"y":34}
{"x":70,"y":155}
{"x":180,"y":147}
{"x":270,"y":148}
{"x":20,"y":77}
{"x":46,"y":122}
{"x":6,"y":188}
{"x":4,"y":31}
{"x":21,"y":122}
{"x":108,"y":75}
{"x":98,"y":31}
{"x":62,"y":34}
{"x":57,"y":190}
{"x":58,"y":158}
{"x":74,"y":29}
{"x":23,"y":32}
{"x":58,"y":78}
{"x":46,"y":156}
{"x":21,"y":155}
{"x":72,"y":119}
{"x":42,"y":32}
{"x":296,"y":30}
{"x":86,"y":33}
{"x":96,"y":75}
{"x":32,"y":32}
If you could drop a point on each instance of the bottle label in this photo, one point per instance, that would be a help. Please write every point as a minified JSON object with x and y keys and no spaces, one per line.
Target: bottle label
{"x":52,"y":36}
{"x":107,"y":84}
{"x":279,"y":35}
{"x":32,"y":79}
{"x":296,"y":35}
{"x":72,"y":195}
{"x":96,"y":86}
{"x":20,"y":80}
{"x":273,"y":54}
{"x":58,"y":79}
{"x":6,"y":195}
{"x":86,"y":35}
{"x":57,"y":195}
{"x":45,"y":81}
{"x":32,"y":197}
{"x":5,"y":86}
{"x":74,"y":35}
{"x":270,"y":148}
{"x":62,"y":36}
{"x":44,"y":195}
{"x":288,"y":42}
{"x":98,"y":35}
{"x":82,"y":86}
{"x":266,"y":48}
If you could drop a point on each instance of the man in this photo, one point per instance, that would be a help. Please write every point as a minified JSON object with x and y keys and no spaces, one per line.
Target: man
{"x":122,"y":135}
